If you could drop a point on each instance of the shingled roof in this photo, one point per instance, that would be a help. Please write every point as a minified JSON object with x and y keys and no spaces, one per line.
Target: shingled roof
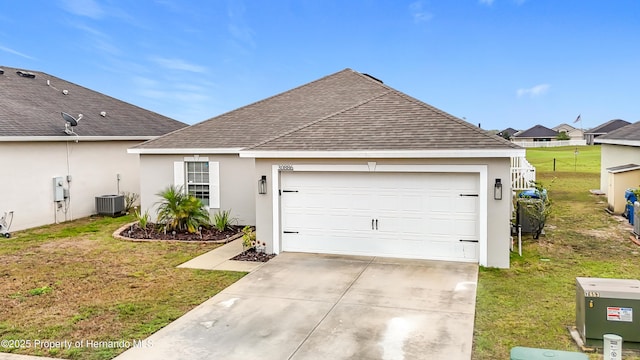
{"x":31,"y":103}
{"x":537,"y":131}
{"x":343,"y":111}
{"x":607,"y":127}
{"x":626,"y":133}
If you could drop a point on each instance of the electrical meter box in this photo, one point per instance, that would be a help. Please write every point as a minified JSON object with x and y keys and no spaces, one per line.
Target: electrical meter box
{"x":608,"y":306}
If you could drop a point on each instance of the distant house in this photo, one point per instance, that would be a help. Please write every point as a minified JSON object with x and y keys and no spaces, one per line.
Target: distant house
{"x":620,"y":164}
{"x":535,"y":134}
{"x":507,"y":133}
{"x":572,"y":132}
{"x":604,"y":129}
{"x":53,"y":170}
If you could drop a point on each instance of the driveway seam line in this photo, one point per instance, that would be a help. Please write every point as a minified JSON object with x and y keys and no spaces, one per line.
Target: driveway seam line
{"x":331,"y":308}
{"x":278,"y":297}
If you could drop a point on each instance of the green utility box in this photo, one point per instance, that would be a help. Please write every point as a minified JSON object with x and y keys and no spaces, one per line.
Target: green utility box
{"x":608,"y":306}
{"x":525,"y":353}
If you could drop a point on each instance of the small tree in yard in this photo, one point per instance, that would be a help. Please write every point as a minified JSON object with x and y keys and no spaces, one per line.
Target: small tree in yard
{"x":562,"y":135}
{"x":180,"y":211}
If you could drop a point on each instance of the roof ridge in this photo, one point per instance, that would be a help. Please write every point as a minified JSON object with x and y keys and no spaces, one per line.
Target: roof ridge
{"x":319,"y":120}
{"x":472,"y":127}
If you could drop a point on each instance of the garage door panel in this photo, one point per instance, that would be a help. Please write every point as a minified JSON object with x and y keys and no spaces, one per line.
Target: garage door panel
{"x":333,"y":242}
{"x":419,"y":215}
{"x":466,"y":229}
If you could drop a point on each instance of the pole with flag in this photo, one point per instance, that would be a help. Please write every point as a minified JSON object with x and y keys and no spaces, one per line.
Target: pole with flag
{"x":579,"y":119}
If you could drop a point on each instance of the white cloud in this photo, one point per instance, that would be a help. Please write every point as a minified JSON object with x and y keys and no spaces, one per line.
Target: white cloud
{"x":490,"y":2}
{"x":15,"y":52}
{"x":184,"y":101}
{"x":418,"y":13}
{"x":99,"y":40}
{"x":237,"y":26}
{"x":88,"y":8}
{"x":178,"y":64}
{"x":534,"y":91}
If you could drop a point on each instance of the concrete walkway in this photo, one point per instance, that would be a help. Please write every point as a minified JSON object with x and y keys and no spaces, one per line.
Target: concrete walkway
{"x":218,"y":259}
{"x":309,"y":306}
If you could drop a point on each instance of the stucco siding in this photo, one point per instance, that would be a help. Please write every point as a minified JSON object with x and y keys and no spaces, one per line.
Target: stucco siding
{"x":498,"y":211}
{"x":615,"y":155}
{"x":29,"y":169}
{"x":237,"y":183}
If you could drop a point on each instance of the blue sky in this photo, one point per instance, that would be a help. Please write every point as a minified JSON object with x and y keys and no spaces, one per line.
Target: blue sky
{"x":500,"y":63}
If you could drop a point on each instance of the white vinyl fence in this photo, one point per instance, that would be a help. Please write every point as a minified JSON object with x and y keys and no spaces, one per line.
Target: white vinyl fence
{"x":552,"y":143}
{"x":523,"y":174}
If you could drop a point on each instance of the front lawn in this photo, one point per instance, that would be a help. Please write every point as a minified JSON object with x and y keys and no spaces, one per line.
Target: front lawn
{"x":532,"y":303}
{"x":73,"y":282}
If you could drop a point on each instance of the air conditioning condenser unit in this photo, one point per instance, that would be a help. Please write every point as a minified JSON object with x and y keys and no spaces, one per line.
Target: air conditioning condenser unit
{"x":110,"y":205}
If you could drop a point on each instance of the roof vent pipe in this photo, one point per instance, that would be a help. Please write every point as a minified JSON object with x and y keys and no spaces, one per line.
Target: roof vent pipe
{"x":26,"y":74}
{"x":65,"y":91}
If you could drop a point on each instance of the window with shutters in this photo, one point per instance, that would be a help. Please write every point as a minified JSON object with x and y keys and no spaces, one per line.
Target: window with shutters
{"x":197,"y":176}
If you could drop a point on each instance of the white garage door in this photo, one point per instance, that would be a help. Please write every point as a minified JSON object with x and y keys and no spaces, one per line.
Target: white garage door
{"x":409,"y":215}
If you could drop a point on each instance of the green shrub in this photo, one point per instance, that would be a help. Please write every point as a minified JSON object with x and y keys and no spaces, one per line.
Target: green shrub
{"x":222,"y":220}
{"x":248,"y":237}
{"x":143,"y":220}
{"x":180,"y":211}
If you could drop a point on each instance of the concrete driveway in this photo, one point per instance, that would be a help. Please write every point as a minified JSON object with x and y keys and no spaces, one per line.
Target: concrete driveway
{"x":309,"y":306}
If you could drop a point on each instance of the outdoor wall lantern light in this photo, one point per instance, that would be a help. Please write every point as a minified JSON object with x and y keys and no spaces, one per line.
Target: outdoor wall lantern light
{"x":262,"y":185}
{"x":497,"y":190}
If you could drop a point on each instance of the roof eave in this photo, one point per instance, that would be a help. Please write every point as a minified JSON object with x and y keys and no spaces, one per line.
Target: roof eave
{"x":73,"y":138}
{"x":443,"y":153}
{"x":183,"y":151}
{"x":617,"y":142}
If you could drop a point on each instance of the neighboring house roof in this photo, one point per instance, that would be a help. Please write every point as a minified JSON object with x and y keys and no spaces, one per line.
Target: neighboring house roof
{"x":31,"y":104}
{"x":343,"y":111}
{"x":563,"y":127}
{"x":607,"y":127}
{"x":626,"y":135}
{"x":537,"y":131}
{"x":508,"y":131}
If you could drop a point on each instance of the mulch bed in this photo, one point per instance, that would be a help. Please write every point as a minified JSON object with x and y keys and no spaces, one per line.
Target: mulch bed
{"x":152,"y":232}
{"x":155,"y":233}
{"x":253,"y":255}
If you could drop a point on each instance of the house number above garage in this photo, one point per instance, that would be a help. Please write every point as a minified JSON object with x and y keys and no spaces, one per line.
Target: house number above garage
{"x":285,"y":167}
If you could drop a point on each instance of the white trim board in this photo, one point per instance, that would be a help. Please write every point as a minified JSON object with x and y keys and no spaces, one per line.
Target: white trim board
{"x":73,"y":138}
{"x":395,"y":154}
{"x":185,"y":151}
{"x":482,"y":170}
{"x":617,"y":142}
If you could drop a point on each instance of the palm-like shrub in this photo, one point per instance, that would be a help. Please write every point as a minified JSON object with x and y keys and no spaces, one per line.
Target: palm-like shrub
{"x":222,"y":220}
{"x":180,"y":211}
